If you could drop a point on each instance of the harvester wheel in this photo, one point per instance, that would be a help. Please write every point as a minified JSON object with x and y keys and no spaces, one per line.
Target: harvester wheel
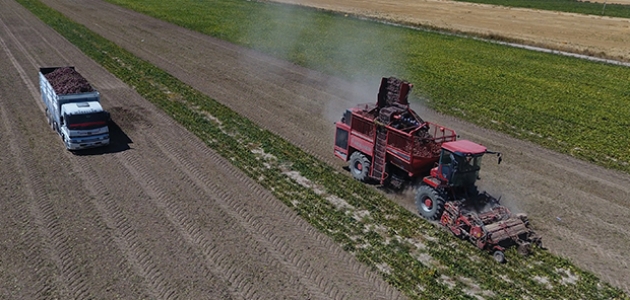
{"x":359,"y":166}
{"x":430,"y":204}
{"x":499,"y":256}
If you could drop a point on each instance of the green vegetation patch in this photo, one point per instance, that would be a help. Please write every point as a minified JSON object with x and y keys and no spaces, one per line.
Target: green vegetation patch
{"x":573,"y":6}
{"x":566,"y":104}
{"x":422,"y":261}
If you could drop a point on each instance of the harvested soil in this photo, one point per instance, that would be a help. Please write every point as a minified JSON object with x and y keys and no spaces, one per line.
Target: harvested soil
{"x":580,"y":209}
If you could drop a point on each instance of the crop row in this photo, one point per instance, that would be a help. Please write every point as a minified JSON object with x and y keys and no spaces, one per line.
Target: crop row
{"x":566,"y":104}
{"x":422,"y":261}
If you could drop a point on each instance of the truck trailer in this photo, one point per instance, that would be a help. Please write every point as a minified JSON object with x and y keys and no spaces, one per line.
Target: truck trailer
{"x":73,"y":108}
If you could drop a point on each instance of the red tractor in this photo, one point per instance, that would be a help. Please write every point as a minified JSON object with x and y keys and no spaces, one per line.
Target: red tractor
{"x":390,"y":144}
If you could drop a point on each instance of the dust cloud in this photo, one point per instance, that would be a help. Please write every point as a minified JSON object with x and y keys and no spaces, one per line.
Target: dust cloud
{"x":339,"y":50}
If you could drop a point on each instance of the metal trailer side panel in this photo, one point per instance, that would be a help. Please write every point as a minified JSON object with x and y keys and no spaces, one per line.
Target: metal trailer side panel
{"x":49,"y":97}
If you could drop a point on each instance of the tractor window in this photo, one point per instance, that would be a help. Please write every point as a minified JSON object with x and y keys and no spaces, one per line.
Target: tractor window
{"x":341,"y":139}
{"x":446,"y":169}
{"x":466,"y":170}
{"x":347,"y":117}
{"x":445,"y":157}
{"x":468,"y":163}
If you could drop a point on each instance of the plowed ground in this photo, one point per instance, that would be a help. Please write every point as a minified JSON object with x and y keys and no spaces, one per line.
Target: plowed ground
{"x":156,"y":216}
{"x":168,"y":208}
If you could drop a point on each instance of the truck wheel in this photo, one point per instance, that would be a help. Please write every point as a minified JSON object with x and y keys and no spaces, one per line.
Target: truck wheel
{"x":499,"y":256}
{"x":49,"y":119}
{"x":359,"y":166}
{"x":430,"y":204}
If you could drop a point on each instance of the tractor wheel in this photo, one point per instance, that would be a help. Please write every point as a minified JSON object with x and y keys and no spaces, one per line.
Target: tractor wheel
{"x":499,"y":256}
{"x":359,"y":166}
{"x":430,"y":204}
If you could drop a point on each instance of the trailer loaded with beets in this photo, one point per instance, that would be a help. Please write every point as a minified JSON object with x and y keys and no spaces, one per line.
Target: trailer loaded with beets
{"x":390,"y":144}
{"x":73,"y":108}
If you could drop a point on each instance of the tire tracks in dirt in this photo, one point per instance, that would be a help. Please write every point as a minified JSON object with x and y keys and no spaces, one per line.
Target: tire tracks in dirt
{"x":262,"y":229}
{"x":42,"y":211}
{"x":123,"y":233}
{"x":40,"y":281}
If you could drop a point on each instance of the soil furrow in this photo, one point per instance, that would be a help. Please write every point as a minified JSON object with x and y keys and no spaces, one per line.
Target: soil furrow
{"x":276,"y":259}
{"x":42,"y":211}
{"x":182,"y":225}
{"x":123,"y":234}
{"x":258,"y":224}
{"x":26,"y":239}
{"x":221,"y":261}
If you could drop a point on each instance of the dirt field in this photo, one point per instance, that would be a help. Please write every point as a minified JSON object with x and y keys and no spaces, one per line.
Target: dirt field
{"x":156,"y":216}
{"x":593,"y":35}
{"x":125,"y":222}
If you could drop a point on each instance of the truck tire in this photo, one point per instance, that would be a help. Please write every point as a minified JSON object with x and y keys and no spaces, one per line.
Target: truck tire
{"x":359,"y":166}
{"x":49,"y":119}
{"x":429,"y":202}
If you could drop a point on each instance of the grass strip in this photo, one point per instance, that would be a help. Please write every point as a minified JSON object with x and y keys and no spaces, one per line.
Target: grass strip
{"x":422,"y":261}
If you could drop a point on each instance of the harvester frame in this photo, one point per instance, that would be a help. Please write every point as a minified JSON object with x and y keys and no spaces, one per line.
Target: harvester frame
{"x":389,"y":143}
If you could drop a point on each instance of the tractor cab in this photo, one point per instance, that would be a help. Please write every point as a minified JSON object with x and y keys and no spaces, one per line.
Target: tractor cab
{"x":459,"y":164}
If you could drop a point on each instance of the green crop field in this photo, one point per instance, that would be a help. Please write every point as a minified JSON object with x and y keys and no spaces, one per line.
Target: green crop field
{"x":566,"y":104}
{"x":573,"y":6}
{"x":420,"y":260}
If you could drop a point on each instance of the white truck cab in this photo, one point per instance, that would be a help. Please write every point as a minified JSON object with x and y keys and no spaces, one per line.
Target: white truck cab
{"x":73,"y":108}
{"x":84,"y":125}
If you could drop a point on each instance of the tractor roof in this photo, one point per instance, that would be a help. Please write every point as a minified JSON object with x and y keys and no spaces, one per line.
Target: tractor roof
{"x":464,"y":147}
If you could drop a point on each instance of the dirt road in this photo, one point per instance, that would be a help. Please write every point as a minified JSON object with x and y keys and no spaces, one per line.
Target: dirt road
{"x":156,"y":216}
{"x":586,"y":34}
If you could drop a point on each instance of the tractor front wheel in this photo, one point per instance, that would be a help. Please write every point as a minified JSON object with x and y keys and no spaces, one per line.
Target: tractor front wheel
{"x":429,"y":202}
{"x":359,"y":166}
{"x":499,"y":256}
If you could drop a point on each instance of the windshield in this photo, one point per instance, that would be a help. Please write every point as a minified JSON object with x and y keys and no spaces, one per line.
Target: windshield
{"x":460,"y":170}
{"x":468,"y":163}
{"x":87,"y":121}
{"x":466,"y":170}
